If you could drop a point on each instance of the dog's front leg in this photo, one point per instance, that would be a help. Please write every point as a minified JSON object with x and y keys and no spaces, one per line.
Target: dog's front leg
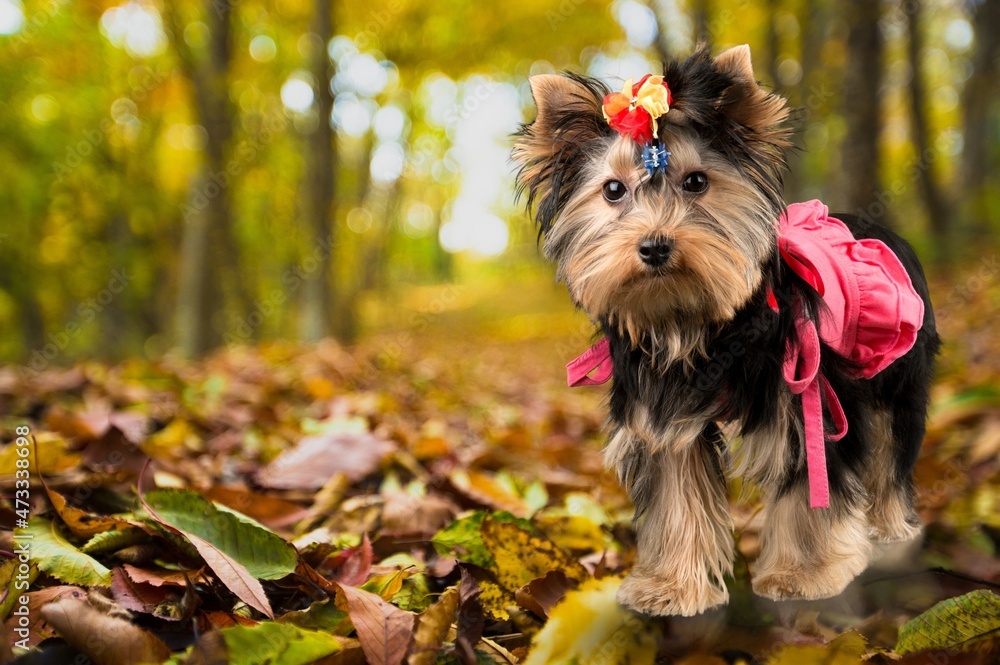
{"x":685,"y":544}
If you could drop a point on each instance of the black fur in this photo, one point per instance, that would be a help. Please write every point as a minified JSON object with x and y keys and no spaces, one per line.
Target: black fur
{"x":740,"y":379}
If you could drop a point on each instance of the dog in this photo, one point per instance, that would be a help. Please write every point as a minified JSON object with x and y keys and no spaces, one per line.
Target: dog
{"x":723,"y":310}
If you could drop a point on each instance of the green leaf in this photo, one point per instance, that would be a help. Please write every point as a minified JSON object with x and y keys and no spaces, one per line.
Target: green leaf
{"x":271,"y":643}
{"x":956,"y":623}
{"x":60,"y":558}
{"x":277,"y":644}
{"x":265,"y":555}
{"x":321,"y":615}
{"x":462,"y":538}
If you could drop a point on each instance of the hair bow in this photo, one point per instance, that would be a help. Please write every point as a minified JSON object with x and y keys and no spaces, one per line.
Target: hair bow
{"x":633,"y":112}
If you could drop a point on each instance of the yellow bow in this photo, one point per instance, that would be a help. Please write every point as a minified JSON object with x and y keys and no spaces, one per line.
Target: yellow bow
{"x":652,"y":95}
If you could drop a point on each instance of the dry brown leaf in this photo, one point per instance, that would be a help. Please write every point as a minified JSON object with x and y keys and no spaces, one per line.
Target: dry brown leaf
{"x":406,"y":515}
{"x":539,"y":595}
{"x":353,"y":565}
{"x":38,"y":630}
{"x":270,"y":511}
{"x":314,"y":459}
{"x":384,"y":630}
{"x":162,"y":576}
{"x":163,"y":602}
{"x":106,"y":640}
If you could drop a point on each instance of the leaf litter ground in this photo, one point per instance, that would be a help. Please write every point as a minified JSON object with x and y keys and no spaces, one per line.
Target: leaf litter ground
{"x":434,"y":495}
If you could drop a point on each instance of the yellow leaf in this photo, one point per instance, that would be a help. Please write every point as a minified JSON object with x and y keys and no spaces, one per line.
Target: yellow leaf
{"x":846,"y":649}
{"x":485,"y":490}
{"x":433,"y":628}
{"x":573,"y":532}
{"x":387,"y":585}
{"x":496,"y":599}
{"x":53,"y":458}
{"x":520,"y":556}
{"x":589,"y":626}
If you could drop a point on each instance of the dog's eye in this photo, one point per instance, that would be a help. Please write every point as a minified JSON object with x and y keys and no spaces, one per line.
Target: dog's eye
{"x":696,"y":182}
{"x":614,"y":190}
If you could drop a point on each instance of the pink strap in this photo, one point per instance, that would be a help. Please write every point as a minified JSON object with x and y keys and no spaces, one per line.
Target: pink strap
{"x":801,"y":371}
{"x":597,"y":357}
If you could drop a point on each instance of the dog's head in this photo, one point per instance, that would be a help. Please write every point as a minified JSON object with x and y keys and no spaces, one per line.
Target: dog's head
{"x":689,"y":244}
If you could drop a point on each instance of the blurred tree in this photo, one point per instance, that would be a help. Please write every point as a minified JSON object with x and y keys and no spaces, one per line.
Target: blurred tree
{"x":701,"y":16}
{"x":207,"y":248}
{"x":861,"y":157}
{"x":320,"y":182}
{"x":980,"y":118}
{"x":929,"y":187}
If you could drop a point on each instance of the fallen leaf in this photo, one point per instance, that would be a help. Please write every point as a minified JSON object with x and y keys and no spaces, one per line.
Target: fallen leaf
{"x":58,"y":557}
{"x":79,"y":522}
{"x":159,"y":601}
{"x":105,"y":639}
{"x":162,"y":576}
{"x":471,"y":616}
{"x":539,"y":595}
{"x":314,"y":459}
{"x":590,"y":627}
{"x":845,"y":649}
{"x":432,"y":628}
{"x":521,"y":556}
{"x":268,"y":510}
{"x":229,"y":571}
{"x":353,"y":565}
{"x":486,"y":491}
{"x":957,"y":623}
{"x":37,"y":629}
{"x":384,"y":630}
{"x":406,"y":515}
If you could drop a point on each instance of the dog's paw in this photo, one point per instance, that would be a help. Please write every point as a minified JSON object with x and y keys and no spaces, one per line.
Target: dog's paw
{"x":897,"y":531}
{"x":660,"y":596}
{"x":811,"y":584}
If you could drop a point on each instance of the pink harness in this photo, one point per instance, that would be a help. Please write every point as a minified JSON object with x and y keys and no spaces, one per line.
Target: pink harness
{"x":872,"y":318}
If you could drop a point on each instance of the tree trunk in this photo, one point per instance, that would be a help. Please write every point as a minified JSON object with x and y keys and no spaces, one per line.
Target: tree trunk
{"x":860,"y":99}
{"x":317,"y":292}
{"x":206,"y":245}
{"x":979,"y":121}
{"x":930,"y":190}
{"x":807,"y":95}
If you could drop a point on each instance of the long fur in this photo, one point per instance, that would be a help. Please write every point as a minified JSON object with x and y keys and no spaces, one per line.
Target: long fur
{"x":695,"y":343}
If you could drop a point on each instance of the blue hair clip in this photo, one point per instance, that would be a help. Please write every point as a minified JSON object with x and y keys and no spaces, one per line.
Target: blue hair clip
{"x":655,"y":157}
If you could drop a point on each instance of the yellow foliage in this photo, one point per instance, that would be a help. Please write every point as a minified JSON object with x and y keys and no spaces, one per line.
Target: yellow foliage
{"x":589,"y":626}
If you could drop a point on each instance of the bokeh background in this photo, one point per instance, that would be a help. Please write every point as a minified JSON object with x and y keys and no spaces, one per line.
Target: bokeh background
{"x":182,"y":175}
{"x":230,"y":229}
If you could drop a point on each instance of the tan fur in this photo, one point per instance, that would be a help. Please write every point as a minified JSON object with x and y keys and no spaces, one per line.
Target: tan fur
{"x":750,"y":104}
{"x":763,"y":456}
{"x":809,"y":553}
{"x":891,"y":517}
{"x":717,"y":254}
{"x":685,"y":538}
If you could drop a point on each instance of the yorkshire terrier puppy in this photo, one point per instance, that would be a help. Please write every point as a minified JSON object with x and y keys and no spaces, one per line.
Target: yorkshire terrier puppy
{"x":809,"y":336}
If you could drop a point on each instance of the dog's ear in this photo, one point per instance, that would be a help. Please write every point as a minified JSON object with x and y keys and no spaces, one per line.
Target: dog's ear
{"x":551,"y":151}
{"x":747,"y":103}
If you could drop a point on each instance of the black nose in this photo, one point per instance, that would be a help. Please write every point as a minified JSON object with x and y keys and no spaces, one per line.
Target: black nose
{"x":654,"y":252}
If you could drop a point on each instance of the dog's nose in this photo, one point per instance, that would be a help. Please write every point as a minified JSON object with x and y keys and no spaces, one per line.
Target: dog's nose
{"x":655,"y":252}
